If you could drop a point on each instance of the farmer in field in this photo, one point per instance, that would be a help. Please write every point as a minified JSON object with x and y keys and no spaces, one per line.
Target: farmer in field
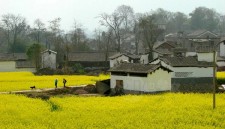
{"x":64,"y":82}
{"x":56,"y":82}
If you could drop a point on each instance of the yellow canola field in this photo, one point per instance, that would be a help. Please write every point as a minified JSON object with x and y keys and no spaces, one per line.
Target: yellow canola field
{"x":220,"y":75}
{"x":12,"y":81}
{"x":170,"y":111}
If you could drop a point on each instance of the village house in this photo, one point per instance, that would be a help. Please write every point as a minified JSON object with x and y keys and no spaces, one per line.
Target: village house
{"x":10,"y":62}
{"x":122,"y":57}
{"x":92,"y":60}
{"x":193,"y":73}
{"x":164,"y":48}
{"x":48,"y":59}
{"x":139,"y":78}
{"x":201,"y":39}
{"x":194,"y":41}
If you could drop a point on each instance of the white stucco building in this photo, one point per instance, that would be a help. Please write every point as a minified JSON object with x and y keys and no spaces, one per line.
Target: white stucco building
{"x":189,"y":73}
{"x":48,"y":59}
{"x":134,"y":77}
{"x":10,"y":62}
{"x":122,"y":57}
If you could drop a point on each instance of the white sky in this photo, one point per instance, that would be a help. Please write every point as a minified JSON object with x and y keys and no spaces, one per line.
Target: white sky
{"x":86,"y":11}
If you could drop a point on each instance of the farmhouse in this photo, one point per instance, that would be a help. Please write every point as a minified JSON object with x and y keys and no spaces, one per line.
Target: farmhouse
{"x":90,"y":59}
{"x":163,"y":49}
{"x":193,"y":74}
{"x":133,"y":77}
{"x":122,"y":57}
{"x":15,"y":62}
{"x":48,"y":59}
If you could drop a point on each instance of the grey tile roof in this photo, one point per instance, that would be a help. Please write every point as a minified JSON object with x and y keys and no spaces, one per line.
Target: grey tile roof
{"x":199,"y":34}
{"x":89,"y":56}
{"x":163,"y":51}
{"x":185,"y":62}
{"x":166,"y":44}
{"x":136,"y":68}
{"x":196,"y":33}
{"x":48,"y":50}
{"x":220,"y":58}
{"x":13,"y":57}
{"x":128,"y":55}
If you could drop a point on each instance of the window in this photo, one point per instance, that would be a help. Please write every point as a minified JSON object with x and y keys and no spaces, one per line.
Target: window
{"x":119,"y":73}
{"x":138,"y":74}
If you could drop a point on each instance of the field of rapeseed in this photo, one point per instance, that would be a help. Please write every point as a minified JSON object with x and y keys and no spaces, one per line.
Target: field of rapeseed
{"x":11,"y":81}
{"x":220,"y":77}
{"x":170,"y":110}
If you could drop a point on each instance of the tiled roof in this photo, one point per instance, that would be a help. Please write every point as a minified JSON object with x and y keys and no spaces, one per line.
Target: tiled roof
{"x":196,"y":33}
{"x":165,"y":48}
{"x":220,"y":58}
{"x":89,"y":56}
{"x":136,"y":68}
{"x":185,"y":62}
{"x":199,"y":34}
{"x":12,"y":57}
{"x":163,"y":51}
{"x":48,"y":50}
{"x":128,"y":55}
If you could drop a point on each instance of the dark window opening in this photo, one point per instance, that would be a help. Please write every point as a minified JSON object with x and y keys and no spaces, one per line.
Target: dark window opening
{"x":119,"y":73}
{"x":119,"y":83}
{"x":139,"y":74}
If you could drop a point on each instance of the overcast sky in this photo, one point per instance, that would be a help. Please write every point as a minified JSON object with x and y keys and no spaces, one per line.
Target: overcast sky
{"x":86,"y":11}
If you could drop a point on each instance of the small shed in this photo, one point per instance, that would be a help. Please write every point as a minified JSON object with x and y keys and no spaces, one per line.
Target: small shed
{"x":48,"y":59}
{"x":133,"y":77}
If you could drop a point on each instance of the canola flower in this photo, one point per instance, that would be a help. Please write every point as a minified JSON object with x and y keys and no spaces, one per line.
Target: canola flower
{"x":220,"y":75}
{"x":12,"y":81}
{"x":169,"y":110}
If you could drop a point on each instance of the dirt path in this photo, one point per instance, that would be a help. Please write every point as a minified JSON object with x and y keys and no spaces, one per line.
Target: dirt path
{"x":39,"y":90}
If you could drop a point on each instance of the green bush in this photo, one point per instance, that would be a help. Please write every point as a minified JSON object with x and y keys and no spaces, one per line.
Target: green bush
{"x":78,"y":68}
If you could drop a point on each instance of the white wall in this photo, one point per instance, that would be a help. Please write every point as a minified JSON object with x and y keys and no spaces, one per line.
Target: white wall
{"x":222,"y":49}
{"x":205,"y":57}
{"x":220,"y":63}
{"x":155,"y":55}
{"x":159,"y":80}
{"x":189,"y":71}
{"x":7,"y":66}
{"x":115,"y":61}
{"x":192,"y":72}
{"x":144,"y":59}
{"x":191,"y":54}
{"x":10,"y":66}
{"x":49,"y":60}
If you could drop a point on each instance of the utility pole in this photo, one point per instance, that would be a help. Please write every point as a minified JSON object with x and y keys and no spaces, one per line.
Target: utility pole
{"x":214,"y":78}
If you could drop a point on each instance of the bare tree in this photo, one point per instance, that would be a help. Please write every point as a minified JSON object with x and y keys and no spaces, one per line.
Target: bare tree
{"x":39,"y":28}
{"x":120,"y":21}
{"x":114,"y":22}
{"x":56,"y":38}
{"x":98,"y":38}
{"x":149,"y":32}
{"x":15,"y":26}
{"x":127,"y":13}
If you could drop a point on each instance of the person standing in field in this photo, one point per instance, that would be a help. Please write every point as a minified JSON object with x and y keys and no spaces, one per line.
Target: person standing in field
{"x":64,"y":82}
{"x":56,"y":82}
